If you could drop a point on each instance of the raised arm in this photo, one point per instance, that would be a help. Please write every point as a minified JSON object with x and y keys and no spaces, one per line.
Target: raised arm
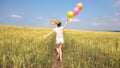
{"x":48,"y":34}
{"x":66,"y":23}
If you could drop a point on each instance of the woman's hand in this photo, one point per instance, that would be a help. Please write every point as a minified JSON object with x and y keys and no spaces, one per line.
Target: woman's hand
{"x":67,"y":19}
{"x":45,"y":37}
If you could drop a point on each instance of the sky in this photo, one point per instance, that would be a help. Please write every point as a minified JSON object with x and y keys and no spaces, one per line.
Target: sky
{"x":95,"y":15}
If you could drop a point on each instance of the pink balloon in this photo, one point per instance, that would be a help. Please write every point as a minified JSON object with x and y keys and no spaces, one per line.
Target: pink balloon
{"x":75,"y":11}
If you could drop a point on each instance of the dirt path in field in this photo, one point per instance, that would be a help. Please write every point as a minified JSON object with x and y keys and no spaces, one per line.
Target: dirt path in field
{"x":55,"y":63}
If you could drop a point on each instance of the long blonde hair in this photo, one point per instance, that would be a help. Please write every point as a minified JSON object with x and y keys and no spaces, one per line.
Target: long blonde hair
{"x":55,"y":21}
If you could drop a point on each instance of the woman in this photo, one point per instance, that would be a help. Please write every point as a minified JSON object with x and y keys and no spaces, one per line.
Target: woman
{"x":59,"y":37}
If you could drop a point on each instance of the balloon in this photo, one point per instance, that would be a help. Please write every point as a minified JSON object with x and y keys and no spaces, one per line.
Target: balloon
{"x":75,"y":11}
{"x":79,"y":6}
{"x":70,"y":14}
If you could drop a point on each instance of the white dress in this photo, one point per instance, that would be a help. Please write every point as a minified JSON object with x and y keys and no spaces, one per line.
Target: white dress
{"x":59,"y":35}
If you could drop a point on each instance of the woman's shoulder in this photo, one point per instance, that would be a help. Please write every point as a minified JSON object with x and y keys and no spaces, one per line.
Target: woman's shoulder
{"x":58,"y":28}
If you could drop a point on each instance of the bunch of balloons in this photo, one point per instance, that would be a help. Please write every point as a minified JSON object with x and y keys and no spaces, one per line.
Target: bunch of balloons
{"x":75,"y":10}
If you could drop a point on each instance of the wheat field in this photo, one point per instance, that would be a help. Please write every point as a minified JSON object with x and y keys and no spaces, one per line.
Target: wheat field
{"x":24,"y":47}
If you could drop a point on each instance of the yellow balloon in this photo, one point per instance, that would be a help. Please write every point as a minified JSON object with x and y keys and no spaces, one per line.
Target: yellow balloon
{"x":70,"y":14}
{"x":79,"y":6}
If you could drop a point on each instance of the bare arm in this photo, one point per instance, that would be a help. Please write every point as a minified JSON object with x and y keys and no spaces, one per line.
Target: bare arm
{"x":48,"y":34}
{"x":66,"y":23}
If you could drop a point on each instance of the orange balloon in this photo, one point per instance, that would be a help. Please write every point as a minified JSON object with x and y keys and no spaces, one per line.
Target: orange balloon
{"x":79,"y":6}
